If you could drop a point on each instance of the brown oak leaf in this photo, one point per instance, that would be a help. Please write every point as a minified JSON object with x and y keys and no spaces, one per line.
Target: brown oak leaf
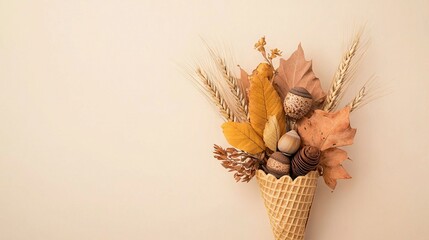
{"x":297,"y":72}
{"x":327,"y":131}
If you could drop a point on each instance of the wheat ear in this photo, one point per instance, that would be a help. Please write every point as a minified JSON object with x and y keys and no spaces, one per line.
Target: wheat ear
{"x":358,"y":100}
{"x":341,"y":77}
{"x":212,"y":91}
{"x":234,"y":91}
{"x":237,"y":92}
{"x":370,"y":91}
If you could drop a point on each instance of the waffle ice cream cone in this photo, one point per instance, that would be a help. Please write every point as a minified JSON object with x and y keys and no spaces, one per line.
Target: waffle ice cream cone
{"x":288,"y":203}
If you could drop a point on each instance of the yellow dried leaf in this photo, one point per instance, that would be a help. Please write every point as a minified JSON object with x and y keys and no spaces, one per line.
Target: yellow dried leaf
{"x":264,"y":102}
{"x":272,"y":133}
{"x":243,"y":137}
{"x":264,"y":70}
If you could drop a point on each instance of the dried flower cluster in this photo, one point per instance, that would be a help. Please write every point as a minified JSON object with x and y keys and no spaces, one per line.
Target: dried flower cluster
{"x":260,"y":46}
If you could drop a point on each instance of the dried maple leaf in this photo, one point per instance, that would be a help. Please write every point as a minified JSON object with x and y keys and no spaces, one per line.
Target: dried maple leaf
{"x":297,"y":72}
{"x":331,"y":160}
{"x":328,"y":130}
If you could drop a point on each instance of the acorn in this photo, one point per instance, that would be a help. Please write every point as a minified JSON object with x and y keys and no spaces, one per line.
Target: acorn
{"x":297,"y":102}
{"x":305,"y":160}
{"x":278,"y":164}
{"x":289,"y":143}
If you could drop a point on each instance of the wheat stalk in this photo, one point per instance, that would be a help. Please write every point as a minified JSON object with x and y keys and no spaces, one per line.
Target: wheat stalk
{"x":212,"y":91}
{"x":359,"y":99}
{"x":238,"y":93}
{"x":341,"y":77}
{"x":370,"y":91}
{"x":217,"y":82}
{"x":240,"y":105}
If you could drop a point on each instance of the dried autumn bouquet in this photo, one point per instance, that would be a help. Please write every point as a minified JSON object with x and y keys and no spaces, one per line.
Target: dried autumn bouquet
{"x":284,"y":129}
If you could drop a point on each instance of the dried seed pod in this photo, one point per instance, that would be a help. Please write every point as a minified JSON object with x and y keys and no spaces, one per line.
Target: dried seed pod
{"x":289,"y":143}
{"x":305,"y":160}
{"x":297,"y":102}
{"x":278,"y":164}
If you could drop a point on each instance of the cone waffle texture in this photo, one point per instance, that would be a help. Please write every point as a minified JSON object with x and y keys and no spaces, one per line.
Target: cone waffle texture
{"x":288,"y":202}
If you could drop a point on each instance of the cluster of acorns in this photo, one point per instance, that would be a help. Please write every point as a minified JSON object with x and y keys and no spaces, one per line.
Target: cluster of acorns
{"x":292,"y":158}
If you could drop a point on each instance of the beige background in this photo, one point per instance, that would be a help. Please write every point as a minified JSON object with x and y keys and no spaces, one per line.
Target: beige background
{"x":102,"y":137}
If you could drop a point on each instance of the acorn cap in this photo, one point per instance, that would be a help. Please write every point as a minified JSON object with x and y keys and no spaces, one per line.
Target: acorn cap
{"x":300,"y":91}
{"x":280,"y":157}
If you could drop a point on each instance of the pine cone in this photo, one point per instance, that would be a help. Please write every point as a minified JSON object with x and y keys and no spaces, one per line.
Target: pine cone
{"x":305,"y":160}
